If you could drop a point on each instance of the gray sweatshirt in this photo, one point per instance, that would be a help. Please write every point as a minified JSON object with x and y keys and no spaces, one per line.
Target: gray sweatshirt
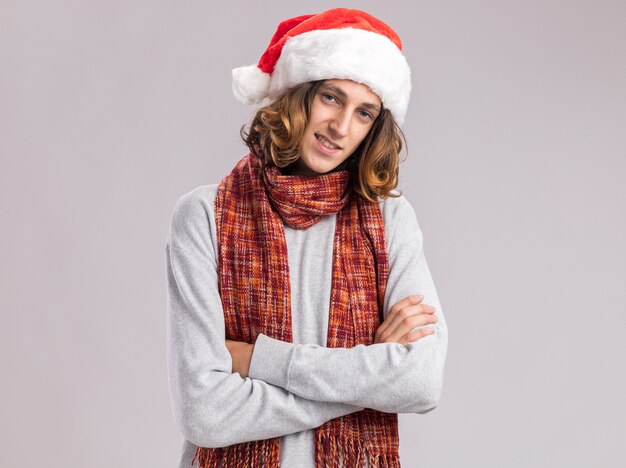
{"x":292,"y":388}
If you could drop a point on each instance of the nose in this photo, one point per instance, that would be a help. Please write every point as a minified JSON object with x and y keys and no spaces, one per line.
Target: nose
{"x":340,"y":123}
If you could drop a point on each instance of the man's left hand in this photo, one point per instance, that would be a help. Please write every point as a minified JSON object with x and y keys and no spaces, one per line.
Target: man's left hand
{"x":241,"y":354}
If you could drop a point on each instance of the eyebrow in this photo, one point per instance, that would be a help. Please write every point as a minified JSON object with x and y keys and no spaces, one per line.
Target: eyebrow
{"x":342,"y":94}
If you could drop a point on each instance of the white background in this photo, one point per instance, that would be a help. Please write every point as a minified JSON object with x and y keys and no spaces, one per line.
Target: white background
{"x":111,"y":110}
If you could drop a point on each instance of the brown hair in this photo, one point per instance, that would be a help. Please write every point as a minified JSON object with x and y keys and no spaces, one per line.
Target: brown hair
{"x":276,"y":130}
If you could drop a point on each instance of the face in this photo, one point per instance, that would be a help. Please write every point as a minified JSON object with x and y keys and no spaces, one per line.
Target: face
{"x":342,"y":113}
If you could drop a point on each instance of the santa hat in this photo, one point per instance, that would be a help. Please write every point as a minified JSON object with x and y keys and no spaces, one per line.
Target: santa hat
{"x":340,"y":43}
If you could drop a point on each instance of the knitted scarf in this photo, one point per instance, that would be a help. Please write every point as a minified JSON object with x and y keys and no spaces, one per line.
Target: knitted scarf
{"x":253,"y":203}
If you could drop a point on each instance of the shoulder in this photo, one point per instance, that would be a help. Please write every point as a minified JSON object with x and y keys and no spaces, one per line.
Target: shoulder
{"x":197,"y":201}
{"x":193,"y":219}
{"x":401,"y":224}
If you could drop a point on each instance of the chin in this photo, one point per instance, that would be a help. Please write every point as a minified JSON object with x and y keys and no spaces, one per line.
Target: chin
{"x":313,"y":169}
{"x":326,"y":170}
{"x":323,"y":167}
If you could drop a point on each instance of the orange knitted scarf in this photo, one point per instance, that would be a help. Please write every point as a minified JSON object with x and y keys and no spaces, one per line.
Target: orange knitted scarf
{"x":251,"y":206}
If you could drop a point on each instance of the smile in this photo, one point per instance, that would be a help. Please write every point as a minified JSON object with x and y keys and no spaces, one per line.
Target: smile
{"x":327,"y":143}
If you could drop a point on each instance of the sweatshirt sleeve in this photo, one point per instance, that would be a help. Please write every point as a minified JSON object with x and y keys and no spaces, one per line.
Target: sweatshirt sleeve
{"x":212,"y":406}
{"x":386,"y":377}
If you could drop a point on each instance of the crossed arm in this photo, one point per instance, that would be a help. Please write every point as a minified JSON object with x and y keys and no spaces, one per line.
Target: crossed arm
{"x":398,"y":326}
{"x":292,"y":387}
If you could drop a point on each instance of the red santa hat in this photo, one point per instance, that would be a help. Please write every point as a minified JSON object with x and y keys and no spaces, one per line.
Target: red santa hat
{"x":339,"y":43}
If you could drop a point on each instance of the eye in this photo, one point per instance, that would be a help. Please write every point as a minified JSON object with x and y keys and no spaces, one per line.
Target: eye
{"x":328,"y":97}
{"x":366,"y":115}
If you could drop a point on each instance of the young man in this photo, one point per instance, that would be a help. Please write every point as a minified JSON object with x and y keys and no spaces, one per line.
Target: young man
{"x":302,"y":313}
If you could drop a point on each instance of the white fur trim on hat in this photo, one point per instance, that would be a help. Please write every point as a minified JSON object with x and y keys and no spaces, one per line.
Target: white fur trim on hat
{"x":250,"y":84}
{"x":346,"y":53}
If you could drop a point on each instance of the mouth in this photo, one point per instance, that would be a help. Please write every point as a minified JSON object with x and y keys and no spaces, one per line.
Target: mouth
{"x":326,"y":142}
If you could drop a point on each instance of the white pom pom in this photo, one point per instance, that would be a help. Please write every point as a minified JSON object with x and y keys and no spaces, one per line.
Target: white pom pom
{"x":250,"y":84}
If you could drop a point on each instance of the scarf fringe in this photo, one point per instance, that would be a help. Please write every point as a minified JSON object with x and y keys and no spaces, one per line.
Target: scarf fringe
{"x":254,"y":454}
{"x":335,"y":452}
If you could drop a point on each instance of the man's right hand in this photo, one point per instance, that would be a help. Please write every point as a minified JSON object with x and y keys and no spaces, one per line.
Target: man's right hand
{"x":402,"y":318}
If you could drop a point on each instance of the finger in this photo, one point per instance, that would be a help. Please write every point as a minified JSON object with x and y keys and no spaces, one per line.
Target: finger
{"x":413,"y":336}
{"x":410,"y":323}
{"x":407,"y":301}
{"x":396,"y":308}
{"x":403,"y":320}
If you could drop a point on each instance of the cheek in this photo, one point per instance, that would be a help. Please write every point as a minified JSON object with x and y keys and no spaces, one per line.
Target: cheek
{"x":308,"y":136}
{"x":362,"y":135}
